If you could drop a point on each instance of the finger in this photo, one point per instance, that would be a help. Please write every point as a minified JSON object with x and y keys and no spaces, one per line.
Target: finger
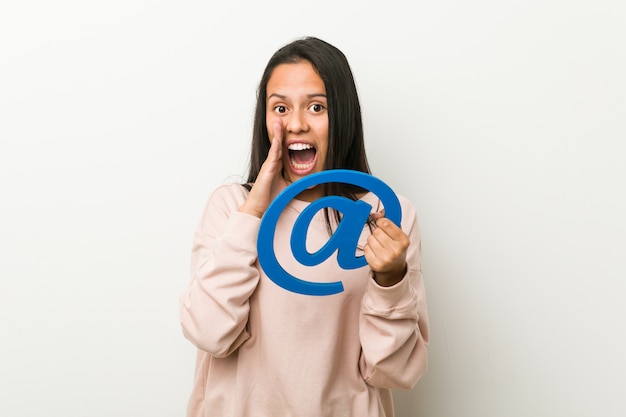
{"x":389,"y":239}
{"x":373,"y":245}
{"x":272,"y":164}
{"x":369,"y":251}
{"x":391,"y":229}
{"x":379,"y":241}
{"x":378,"y":256}
{"x":275,"y":154}
{"x":378,"y":215}
{"x":277,"y":134}
{"x":277,"y":130}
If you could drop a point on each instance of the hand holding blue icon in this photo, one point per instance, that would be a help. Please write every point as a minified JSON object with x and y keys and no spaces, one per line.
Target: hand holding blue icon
{"x":344,"y":240}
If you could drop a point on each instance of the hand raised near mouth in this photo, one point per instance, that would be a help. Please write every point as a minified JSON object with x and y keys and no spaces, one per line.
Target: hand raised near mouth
{"x":270,"y":181}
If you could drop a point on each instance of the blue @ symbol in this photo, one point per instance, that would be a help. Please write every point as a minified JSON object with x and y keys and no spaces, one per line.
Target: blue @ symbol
{"x":344,"y":240}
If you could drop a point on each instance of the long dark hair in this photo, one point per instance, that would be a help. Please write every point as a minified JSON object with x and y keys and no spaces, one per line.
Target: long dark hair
{"x":346,"y":147}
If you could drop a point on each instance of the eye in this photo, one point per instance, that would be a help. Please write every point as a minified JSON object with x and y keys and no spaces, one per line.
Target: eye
{"x":280,"y":109}
{"x":317,"y":108}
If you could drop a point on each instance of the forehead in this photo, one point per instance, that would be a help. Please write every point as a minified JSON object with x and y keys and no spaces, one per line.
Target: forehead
{"x":295,"y":78}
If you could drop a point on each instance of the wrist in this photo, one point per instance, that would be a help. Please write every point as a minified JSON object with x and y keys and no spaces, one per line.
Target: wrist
{"x":245,"y":208}
{"x":389,"y":279}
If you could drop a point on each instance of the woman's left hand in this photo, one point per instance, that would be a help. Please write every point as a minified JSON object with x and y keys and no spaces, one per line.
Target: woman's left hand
{"x":385,"y":252}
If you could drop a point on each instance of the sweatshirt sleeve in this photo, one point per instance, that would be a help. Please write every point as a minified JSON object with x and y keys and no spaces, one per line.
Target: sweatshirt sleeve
{"x":394,"y":322}
{"x":215,"y":306}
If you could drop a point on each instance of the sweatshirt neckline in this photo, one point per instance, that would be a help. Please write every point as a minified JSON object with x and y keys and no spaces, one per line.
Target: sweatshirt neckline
{"x":369,"y":198}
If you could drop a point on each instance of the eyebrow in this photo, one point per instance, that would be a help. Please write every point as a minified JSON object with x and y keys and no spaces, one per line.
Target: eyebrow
{"x":280,"y":96}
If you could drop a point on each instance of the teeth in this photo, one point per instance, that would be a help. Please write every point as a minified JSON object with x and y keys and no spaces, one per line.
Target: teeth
{"x":300,"y":166}
{"x":299,"y":146}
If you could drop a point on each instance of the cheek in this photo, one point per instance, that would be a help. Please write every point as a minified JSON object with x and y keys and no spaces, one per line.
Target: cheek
{"x":268,"y":124}
{"x":324,"y":136}
{"x":323,"y":144}
{"x":322,"y":130}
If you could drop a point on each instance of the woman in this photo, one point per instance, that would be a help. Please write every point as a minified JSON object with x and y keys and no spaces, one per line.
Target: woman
{"x":262,"y":350}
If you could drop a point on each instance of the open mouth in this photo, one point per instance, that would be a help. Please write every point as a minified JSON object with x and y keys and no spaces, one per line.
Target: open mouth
{"x":302,"y":156}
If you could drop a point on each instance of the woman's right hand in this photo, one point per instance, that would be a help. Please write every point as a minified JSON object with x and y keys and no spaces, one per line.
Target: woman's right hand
{"x":270,"y":181}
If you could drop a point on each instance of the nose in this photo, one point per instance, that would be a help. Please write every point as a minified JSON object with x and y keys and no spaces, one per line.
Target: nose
{"x":297,"y":122}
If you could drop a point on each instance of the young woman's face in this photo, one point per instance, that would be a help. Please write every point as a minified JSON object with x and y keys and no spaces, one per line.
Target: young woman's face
{"x":296,"y":95}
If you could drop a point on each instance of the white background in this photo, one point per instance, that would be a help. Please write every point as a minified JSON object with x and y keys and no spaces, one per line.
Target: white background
{"x":503,"y":121}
